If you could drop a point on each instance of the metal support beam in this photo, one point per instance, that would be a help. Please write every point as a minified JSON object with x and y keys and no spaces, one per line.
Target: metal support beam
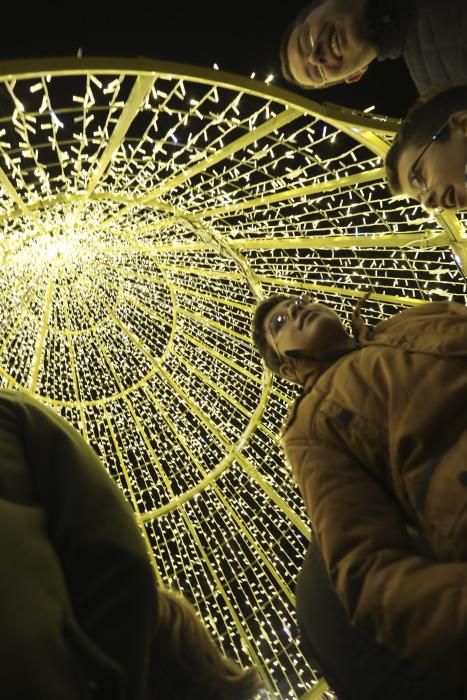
{"x":426,"y":239}
{"x":285,"y":117}
{"x":11,"y":191}
{"x":320,"y":188}
{"x":340,"y":291}
{"x":142,"y":86}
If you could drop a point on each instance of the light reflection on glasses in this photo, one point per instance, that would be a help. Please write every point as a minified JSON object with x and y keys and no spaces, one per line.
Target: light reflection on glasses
{"x":279,"y":320}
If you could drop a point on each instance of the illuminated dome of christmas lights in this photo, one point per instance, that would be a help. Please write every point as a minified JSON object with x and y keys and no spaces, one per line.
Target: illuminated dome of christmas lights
{"x":145,"y":209}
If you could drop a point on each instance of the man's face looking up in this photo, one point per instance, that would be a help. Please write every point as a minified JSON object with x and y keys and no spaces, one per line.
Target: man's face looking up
{"x":326,"y":46}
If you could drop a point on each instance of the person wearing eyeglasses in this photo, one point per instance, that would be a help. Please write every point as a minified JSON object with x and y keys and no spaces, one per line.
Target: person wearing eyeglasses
{"x":428,"y":158}
{"x":377,"y":443}
{"x":334,"y":41}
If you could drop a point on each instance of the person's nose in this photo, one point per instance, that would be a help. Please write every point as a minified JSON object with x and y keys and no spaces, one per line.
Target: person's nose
{"x":294,"y":310}
{"x":430,"y":199}
{"x":314,"y":55}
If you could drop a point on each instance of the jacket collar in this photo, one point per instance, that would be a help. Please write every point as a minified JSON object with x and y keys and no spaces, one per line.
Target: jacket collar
{"x":310,"y":382}
{"x":361,"y":333}
{"x":360,"y":330}
{"x":316,"y":373}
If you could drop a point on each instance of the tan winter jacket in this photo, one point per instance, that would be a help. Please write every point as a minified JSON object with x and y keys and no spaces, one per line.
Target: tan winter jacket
{"x":378,"y":446}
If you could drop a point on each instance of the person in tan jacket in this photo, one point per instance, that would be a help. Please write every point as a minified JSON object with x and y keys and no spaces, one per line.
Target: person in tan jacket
{"x":378,"y":446}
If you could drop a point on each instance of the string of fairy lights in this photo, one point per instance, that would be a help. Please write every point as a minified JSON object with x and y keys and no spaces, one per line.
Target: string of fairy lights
{"x":144,"y":209}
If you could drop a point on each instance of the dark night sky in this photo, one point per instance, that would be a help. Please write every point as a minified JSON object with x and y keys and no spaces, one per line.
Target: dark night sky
{"x":240,"y":37}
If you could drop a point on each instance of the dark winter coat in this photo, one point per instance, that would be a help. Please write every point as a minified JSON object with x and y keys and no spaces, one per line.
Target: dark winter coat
{"x":77,"y":594}
{"x":430,"y":35}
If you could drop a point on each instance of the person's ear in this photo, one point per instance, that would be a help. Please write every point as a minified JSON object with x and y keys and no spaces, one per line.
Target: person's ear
{"x":458,"y":120}
{"x":355,"y":77}
{"x":288,"y":368}
{"x":288,"y":371}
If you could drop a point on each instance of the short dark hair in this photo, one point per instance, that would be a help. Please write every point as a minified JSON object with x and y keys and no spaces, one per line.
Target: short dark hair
{"x":271,"y":359}
{"x":424,"y":118}
{"x":186,"y":663}
{"x":285,"y":41}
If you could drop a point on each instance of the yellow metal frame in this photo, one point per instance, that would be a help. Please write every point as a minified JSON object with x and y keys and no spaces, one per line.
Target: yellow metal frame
{"x":192,"y":237}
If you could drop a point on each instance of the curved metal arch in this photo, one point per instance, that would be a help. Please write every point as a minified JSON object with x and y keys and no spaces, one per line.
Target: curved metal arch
{"x":190,"y":211}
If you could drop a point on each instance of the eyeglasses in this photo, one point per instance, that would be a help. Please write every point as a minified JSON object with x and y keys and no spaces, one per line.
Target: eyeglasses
{"x":278,"y":321}
{"x":416,"y":177}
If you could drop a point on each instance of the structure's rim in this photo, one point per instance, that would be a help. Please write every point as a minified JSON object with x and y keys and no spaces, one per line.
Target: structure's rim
{"x":223,"y":465}
{"x":68,"y":65}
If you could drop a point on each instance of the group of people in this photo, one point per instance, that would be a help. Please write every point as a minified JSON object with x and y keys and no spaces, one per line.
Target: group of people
{"x":377,"y":443}
{"x":335,"y":41}
{"x":377,"y":440}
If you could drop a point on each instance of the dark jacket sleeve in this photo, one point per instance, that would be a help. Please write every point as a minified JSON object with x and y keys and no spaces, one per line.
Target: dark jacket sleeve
{"x":435,"y":49}
{"x":406,"y":601}
{"x":92,"y":530}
